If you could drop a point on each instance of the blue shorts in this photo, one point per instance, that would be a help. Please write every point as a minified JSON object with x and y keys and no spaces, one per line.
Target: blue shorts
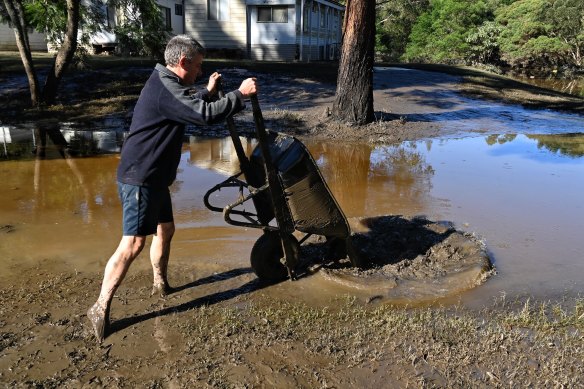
{"x":143,"y":208}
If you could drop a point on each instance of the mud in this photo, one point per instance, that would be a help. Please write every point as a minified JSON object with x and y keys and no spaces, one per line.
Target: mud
{"x":221,"y":327}
{"x":407,"y":259}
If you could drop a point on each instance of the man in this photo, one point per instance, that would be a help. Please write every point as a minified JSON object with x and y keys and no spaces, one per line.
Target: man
{"x":149,"y":161}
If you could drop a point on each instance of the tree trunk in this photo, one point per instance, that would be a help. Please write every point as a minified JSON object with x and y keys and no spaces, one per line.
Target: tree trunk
{"x":16,"y":16}
{"x":354,"y":97}
{"x":65,"y":53}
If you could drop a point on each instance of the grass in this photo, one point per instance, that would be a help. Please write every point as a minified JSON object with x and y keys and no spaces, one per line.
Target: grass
{"x":538,"y":343}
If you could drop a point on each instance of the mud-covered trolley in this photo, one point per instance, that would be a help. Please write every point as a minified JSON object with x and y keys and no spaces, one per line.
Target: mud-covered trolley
{"x":289,"y":188}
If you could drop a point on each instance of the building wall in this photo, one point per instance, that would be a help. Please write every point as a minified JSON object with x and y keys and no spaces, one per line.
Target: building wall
{"x":8,"y":40}
{"x":278,"y":52}
{"x":268,"y":41}
{"x":217,"y":34}
{"x":176,"y":20}
{"x":272,"y":41}
{"x":320,"y":36}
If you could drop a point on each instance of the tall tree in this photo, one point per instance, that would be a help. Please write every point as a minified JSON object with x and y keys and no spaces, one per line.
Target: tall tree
{"x":15,"y":13}
{"x":21,"y":21}
{"x":354,"y":96}
{"x":64,"y":54}
{"x":67,"y":23}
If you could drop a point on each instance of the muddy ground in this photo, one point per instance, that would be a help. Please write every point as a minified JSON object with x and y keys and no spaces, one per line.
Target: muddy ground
{"x":227,"y":329}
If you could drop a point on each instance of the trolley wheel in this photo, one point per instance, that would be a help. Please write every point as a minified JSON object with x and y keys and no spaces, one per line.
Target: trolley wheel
{"x":267,"y":256}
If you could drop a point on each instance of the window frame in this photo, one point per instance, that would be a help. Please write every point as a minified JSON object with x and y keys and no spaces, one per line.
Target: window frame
{"x":285,"y":8}
{"x":167,"y":15}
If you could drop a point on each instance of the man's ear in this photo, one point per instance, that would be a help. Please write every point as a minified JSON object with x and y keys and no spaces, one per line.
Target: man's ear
{"x":183,"y":62}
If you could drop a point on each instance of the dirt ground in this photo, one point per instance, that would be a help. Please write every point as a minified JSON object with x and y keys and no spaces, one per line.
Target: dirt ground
{"x":227,"y":330}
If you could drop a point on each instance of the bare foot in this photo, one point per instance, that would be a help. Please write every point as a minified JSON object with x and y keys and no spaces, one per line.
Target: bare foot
{"x":161,"y":290}
{"x":99,"y":319}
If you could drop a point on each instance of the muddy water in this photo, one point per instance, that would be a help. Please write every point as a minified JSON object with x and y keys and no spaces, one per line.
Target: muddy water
{"x":573,"y":86}
{"x":521,"y":194}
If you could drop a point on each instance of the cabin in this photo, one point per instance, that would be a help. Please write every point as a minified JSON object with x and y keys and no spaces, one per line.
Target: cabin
{"x":267,"y":30}
{"x":38,"y":41}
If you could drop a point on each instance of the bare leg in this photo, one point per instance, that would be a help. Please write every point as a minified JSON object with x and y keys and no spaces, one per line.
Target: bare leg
{"x":115,"y":271}
{"x":159,"y":255}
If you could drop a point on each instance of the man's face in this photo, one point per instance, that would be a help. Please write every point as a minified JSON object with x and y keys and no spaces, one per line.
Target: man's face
{"x":192,"y":69}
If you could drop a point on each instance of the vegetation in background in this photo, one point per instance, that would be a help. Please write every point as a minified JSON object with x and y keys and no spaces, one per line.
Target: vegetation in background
{"x":440,"y":34}
{"x":394,"y":25}
{"x":142,"y":30}
{"x":532,"y":35}
{"x":68,"y":25}
{"x":542,"y":33}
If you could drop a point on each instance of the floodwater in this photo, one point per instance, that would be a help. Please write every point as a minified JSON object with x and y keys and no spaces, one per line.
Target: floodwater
{"x":573,"y":86}
{"x":519,"y":192}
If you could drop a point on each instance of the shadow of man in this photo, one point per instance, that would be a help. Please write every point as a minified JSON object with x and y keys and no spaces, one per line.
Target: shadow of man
{"x":211,"y":299}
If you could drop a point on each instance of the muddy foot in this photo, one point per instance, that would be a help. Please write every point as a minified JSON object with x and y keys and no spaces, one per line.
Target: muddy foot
{"x":161,"y":290}
{"x":98,"y":317}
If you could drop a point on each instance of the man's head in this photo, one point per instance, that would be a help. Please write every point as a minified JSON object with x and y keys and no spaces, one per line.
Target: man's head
{"x":184,"y":56}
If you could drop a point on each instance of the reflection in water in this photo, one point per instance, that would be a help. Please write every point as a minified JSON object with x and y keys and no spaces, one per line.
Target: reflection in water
{"x":23,"y":142}
{"x":569,"y":144}
{"x":500,"y":139}
{"x":56,"y":191}
{"x":350,"y":170}
{"x":346,"y":171}
{"x":521,"y":193}
{"x":356,"y":172}
{"x":52,"y":131}
{"x":573,"y":86}
{"x":217,"y":154}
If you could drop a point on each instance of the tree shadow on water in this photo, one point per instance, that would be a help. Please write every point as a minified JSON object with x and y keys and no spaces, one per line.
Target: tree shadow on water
{"x":214,"y":298}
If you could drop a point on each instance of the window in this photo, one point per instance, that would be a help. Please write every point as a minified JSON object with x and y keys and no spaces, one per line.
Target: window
{"x":322,"y":17}
{"x":178,"y":9}
{"x":110,"y":16}
{"x":166,"y":17}
{"x":276,"y":14}
{"x":305,"y":19}
{"x":218,"y":9}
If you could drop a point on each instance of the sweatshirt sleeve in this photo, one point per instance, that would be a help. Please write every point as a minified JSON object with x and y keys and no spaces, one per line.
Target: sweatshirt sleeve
{"x":198,"y":109}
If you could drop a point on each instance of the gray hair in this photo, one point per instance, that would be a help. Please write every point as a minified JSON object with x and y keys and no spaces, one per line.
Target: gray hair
{"x":182,"y":45}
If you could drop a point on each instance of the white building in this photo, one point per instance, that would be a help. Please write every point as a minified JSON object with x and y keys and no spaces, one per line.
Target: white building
{"x":37,"y":40}
{"x":268,"y":29}
{"x":284,"y":30}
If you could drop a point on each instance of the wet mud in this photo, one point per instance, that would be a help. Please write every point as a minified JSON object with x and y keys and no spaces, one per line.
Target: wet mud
{"x":406,"y":260}
{"x":221,"y":327}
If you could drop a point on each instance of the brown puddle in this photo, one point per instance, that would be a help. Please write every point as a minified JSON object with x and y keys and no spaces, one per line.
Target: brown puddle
{"x":66,"y":211}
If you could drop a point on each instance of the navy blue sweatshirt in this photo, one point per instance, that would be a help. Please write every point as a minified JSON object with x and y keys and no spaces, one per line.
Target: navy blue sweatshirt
{"x":151,"y":152}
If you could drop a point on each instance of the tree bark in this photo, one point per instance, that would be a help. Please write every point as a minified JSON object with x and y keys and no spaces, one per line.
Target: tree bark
{"x":65,"y":53}
{"x":16,"y":15}
{"x":354,"y":96}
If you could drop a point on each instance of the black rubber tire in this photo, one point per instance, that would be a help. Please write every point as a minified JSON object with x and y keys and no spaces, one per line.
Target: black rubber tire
{"x":267,"y":256}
